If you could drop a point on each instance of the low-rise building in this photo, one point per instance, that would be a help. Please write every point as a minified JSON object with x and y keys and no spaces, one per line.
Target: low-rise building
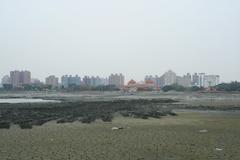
{"x":35,"y":81}
{"x":133,"y":86}
{"x":156,"y":79}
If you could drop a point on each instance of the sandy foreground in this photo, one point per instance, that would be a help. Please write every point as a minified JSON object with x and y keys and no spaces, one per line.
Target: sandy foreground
{"x":198,"y":135}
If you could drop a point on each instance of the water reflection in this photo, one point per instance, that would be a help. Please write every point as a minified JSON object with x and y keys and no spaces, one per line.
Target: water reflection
{"x":25,"y":100}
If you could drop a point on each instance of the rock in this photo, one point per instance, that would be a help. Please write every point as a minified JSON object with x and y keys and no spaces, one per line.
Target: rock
{"x":203,"y":131}
{"x":219,"y":149}
{"x":117,"y":128}
{"x":114,"y":128}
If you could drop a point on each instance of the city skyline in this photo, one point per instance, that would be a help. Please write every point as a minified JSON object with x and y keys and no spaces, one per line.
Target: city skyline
{"x":20,"y":78}
{"x":131,"y":37}
{"x":128,"y":76}
{"x":107,"y":76}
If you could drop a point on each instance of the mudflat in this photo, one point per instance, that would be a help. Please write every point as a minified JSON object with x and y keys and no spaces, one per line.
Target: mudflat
{"x":133,"y":127}
{"x":175,"y":138}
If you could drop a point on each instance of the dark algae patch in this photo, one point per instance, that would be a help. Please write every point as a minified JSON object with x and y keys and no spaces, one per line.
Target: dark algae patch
{"x":37,"y":114}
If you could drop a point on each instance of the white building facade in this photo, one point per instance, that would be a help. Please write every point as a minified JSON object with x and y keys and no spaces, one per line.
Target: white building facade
{"x":211,"y":80}
{"x":169,"y":78}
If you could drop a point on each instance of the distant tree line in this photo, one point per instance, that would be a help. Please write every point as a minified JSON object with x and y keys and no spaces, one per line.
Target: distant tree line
{"x":224,"y":87}
{"x":27,"y":87}
{"x":179,"y":88}
{"x":91,"y":88}
{"x":228,"y":87}
{"x":42,"y":87}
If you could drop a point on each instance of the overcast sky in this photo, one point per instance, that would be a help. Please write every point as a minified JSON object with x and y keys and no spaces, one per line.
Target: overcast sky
{"x":133,"y":37}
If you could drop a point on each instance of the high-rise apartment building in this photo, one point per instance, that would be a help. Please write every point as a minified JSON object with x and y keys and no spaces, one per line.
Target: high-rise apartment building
{"x":195,"y":80}
{"x":116,"y":80}
{"x":168,"y":78}
{"x":185,"y":81}
{"x":15,"y":78}
{"x":211,"y":80}
{"x":201,"y":79}
{"x":68,"y":81}
{"x":86,"y":81}
{"x":104,"y":81}
{"x":20,"y":78}
{"x":52,"y":81}
{"x":94,"y":81}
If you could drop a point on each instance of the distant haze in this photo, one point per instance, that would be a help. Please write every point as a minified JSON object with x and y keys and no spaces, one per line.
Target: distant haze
{"x":133,"y":37}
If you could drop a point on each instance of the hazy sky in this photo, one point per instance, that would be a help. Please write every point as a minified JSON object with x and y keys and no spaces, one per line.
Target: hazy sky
{"x":134,"y":37}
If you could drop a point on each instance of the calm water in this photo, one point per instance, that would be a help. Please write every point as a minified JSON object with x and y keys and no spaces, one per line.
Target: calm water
{"x":25,"y":100}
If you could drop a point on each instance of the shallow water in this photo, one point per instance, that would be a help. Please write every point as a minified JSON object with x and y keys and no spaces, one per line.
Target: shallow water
{"x":25,"y":100}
